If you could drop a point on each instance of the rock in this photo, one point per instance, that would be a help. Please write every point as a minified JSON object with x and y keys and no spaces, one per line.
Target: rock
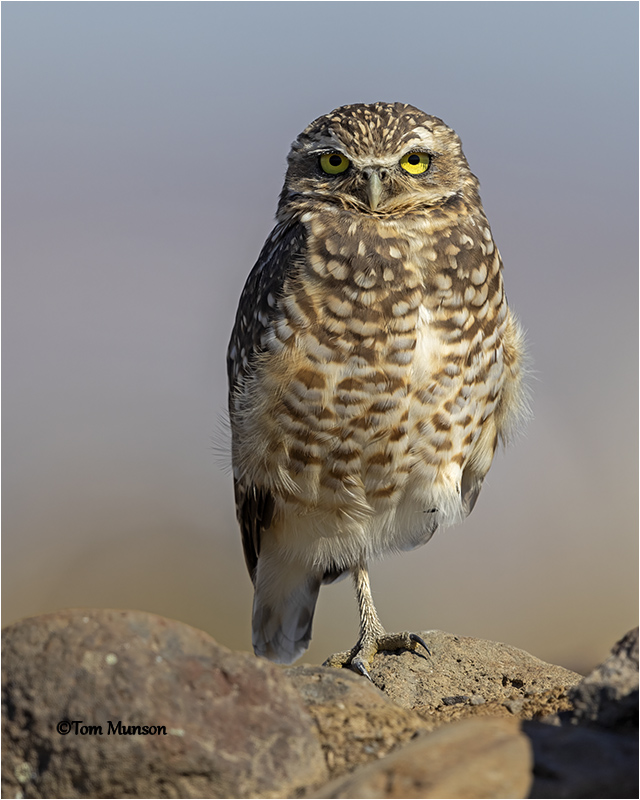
{"x":223,"y":724}
{"x":227,"y":724}
{"x":592,"y":750}
{"x":472,"y":758}
{"x":608,"y":697}
{"x":357,"y":723}
{"x":582,"y":762}
{"x":463,"y":672}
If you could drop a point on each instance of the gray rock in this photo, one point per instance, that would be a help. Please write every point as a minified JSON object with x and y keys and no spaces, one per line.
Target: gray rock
{"x":608,"y":697}
{"x":573,"y":762}
{"x":472,"y":758}
{"x":592,"y":750}
{"x":230,"y":725}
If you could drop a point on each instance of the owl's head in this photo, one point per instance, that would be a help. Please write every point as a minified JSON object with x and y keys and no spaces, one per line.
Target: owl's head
{"x":380,"y":158}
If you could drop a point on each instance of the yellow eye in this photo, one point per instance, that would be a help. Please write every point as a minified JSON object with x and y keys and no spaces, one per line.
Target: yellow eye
{"x":415,"y":163}
{"x":334,"y":163}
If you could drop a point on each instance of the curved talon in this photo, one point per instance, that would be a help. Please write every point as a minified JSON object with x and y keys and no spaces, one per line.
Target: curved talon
{"x":358,"y":663}
{"x":415,"y":638}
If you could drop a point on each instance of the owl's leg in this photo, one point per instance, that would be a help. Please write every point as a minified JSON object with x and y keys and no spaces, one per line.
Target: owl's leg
{"x":373,"y":637}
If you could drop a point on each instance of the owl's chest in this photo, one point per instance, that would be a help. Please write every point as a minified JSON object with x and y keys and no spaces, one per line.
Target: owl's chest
{"x":376,"y":366}
{"x":381,"y":370}
{"x":374,"y":375}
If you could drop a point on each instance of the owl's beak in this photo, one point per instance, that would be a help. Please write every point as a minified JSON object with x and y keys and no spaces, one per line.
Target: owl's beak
{"x":374,"y":190}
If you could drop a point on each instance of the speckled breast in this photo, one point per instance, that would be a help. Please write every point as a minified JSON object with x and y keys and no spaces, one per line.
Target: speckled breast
{"x":382,"y":370}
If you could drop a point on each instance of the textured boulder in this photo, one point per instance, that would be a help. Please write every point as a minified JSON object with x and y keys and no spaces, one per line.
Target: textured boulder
{"x":126,"y":704}
{"x":357,"y":723}
{"x":220,"y":724}
{"x":472,"y":758}
{"x":465,"y":676}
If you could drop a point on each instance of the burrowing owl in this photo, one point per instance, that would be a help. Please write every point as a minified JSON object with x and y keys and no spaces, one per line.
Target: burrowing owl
{"x":373,"y":366}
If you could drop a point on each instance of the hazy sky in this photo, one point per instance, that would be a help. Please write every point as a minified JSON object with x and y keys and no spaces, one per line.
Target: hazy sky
{"x":144,"y":147}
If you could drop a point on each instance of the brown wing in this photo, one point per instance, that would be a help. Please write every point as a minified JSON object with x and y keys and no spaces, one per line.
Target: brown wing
{"x":254,"y":509}
{"x":257,"y":310}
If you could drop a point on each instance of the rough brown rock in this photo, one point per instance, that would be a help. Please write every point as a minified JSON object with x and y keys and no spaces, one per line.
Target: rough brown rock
{"x":472,"y":758}
{"x":357,"y":723}
{"x":472,"y":677}
{"x":235,"y":726}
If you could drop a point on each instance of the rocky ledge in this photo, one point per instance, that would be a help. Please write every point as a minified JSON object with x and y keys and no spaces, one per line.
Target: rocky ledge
{"x":106,"y":703}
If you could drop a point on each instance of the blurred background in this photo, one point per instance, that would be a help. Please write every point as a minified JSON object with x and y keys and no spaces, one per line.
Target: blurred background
{"x":144,"y":148}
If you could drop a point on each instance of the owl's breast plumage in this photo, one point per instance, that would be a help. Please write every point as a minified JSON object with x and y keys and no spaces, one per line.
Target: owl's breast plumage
{"x":379,"y":375}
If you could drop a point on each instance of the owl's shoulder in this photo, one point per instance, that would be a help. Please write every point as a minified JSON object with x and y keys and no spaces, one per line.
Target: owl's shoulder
{"x":283,"y":249}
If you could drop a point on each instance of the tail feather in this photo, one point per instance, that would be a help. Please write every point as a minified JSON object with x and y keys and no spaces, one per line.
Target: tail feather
{"x":282,"y":620}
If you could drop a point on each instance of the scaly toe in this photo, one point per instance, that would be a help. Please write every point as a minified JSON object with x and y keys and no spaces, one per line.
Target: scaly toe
{"x":338,"y":659}
{"x":401,"y":641}
{"x":360,"y":658}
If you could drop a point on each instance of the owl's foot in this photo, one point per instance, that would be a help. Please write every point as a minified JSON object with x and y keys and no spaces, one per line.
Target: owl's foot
{"x":361,"y":656}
